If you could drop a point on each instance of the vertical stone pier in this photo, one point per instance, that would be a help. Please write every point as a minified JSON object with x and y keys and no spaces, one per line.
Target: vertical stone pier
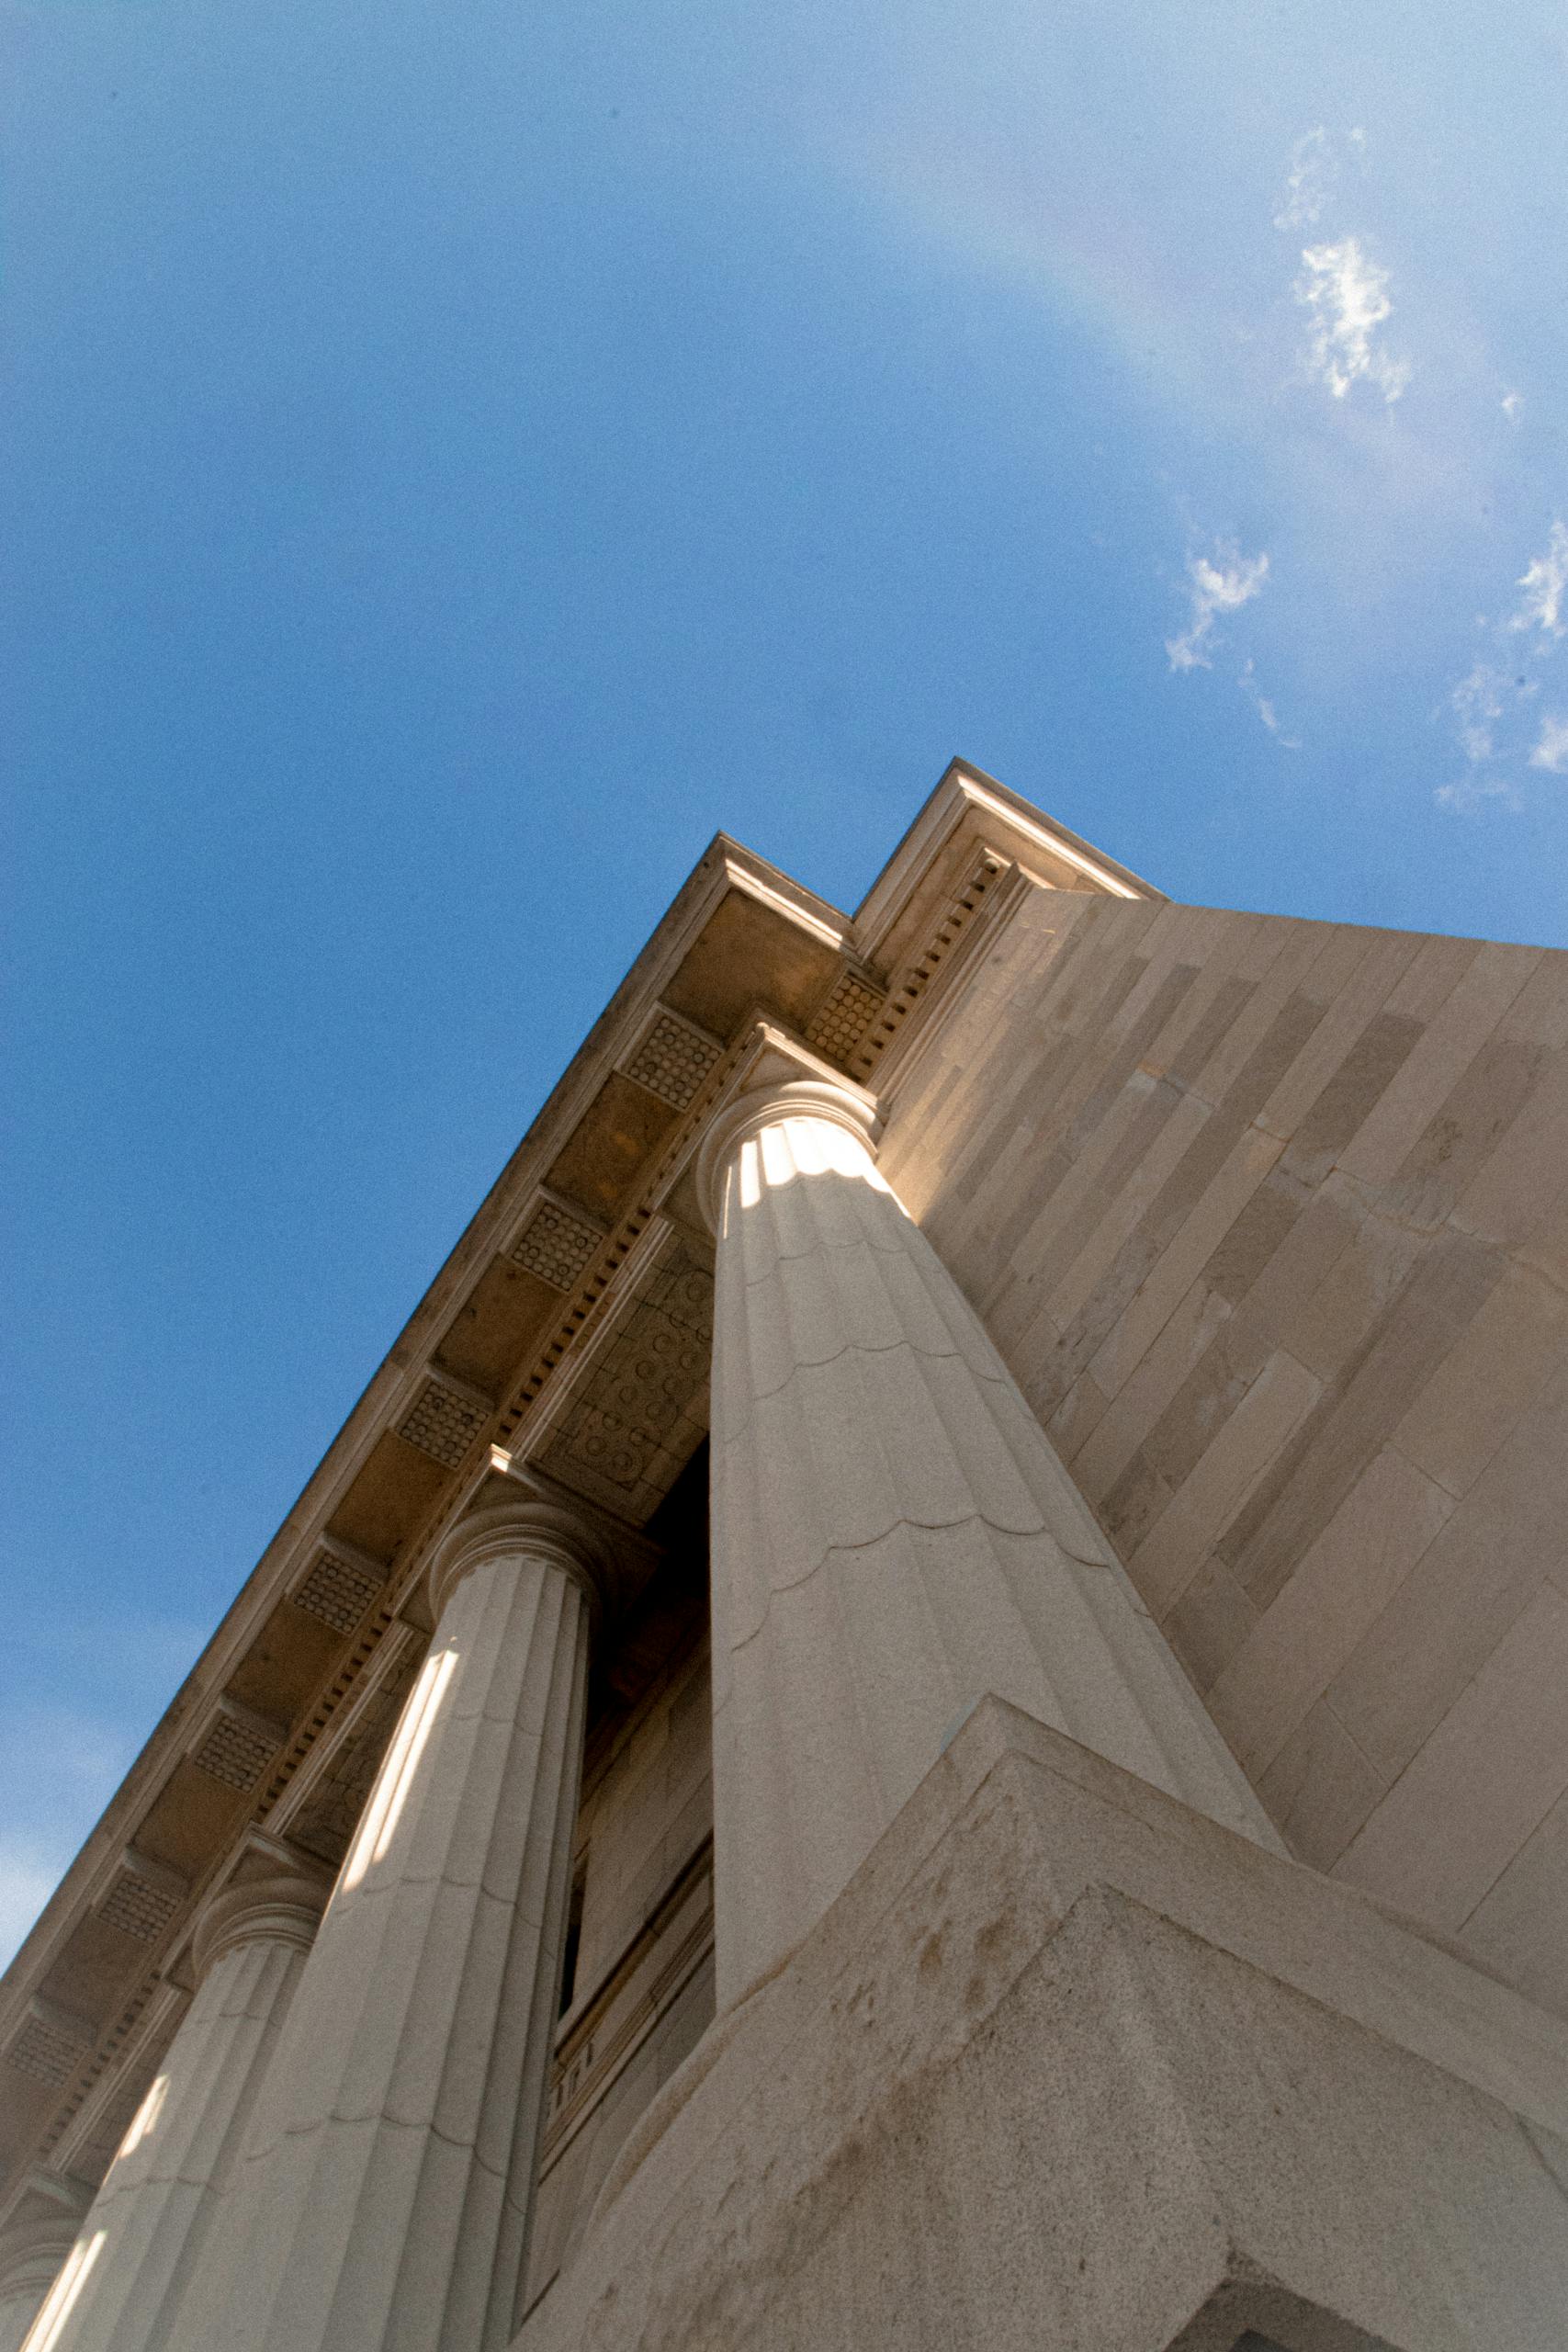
{"x":144,"y":2242}
{"x":893,"y":1534}
{"x":385,"y":2197}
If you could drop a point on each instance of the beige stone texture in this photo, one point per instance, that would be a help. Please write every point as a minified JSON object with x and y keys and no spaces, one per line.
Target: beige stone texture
{"x":892,"y":1537}
{"x":385,"y":2192}
{"x":1483,"y":1782}
{"x":643,"y":1992}
{"x":32,"y":2257}
{"x":1269,"y":1222}
{"x":1363,"y":1555}
{"x":1067,"y":2063}
{"x":149,"y":2232}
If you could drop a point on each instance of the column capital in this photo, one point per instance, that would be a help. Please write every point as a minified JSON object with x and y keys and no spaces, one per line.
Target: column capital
{"x":535,"y":1525}
{"x":284,"y":1908}
{"x":31,"y":2253}
{"x":783,"y":1081}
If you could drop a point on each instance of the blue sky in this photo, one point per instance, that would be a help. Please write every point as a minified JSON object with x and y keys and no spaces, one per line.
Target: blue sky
{"x":458,"y":458}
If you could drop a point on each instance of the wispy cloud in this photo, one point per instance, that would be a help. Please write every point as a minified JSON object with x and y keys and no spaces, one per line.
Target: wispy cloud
{"x":1477,"y":704}
{"x":1473,"y":793}
{"x":1552,"y":751}
{"x":1347,"y":294}
{"x":1510,"y":404}
{"x":1309,"y":181}
{"x":1265,"y":708}
{"x":1545,"y":583}
{"x":1313,"y":178}
{"x":1219,"y":584}
{"x":1488,"y":705}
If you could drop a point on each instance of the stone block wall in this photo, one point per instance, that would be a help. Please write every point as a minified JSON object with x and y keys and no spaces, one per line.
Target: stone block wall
{"x":1270,"y":1220}
{"x":643,"y":1987}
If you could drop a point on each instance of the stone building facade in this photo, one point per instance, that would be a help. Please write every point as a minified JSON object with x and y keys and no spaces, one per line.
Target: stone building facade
{"x":927,"y":1705}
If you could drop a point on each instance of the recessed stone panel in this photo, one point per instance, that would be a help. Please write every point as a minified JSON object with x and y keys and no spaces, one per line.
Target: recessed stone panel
{"x":337,"y":1591}
{"x":443,"y":1424}
{"x":621,"y":1130}
{"x":673,"y":1059}
{"x":141,"y":1904}
{"x":235,"y":1750}
{"x":556,"y":1245}
{"x":840,"y":1024}
{"x":48,"y":2046}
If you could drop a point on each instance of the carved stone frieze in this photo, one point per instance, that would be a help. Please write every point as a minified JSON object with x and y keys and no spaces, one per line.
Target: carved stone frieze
{"x":641,"y":1413}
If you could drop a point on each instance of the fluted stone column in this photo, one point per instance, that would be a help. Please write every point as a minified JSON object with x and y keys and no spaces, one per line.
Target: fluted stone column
{"x":31,"y":2261}
{"x":386,"y":2193}
{"x":145,"y":2237}
{"x":893,"y":1534}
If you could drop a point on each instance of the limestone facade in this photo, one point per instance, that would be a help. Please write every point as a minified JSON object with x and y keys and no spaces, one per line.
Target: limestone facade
{"x":1270,"y":1220}
{"x":926,"y":1700}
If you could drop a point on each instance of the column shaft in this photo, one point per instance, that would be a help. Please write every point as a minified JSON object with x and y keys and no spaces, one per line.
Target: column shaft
{"x":384,"y":2196}
{"x":31,"y":2267}
{"x":146,"y":2235}
{"x":893,"y":1535}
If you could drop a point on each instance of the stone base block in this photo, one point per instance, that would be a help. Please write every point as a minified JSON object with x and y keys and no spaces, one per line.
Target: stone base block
{"x":1070,"y":2068}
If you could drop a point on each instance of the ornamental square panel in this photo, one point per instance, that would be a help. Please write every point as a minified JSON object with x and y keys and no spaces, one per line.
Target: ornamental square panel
{"x":672,"y":1060}
{"x":235,"y":1751}
{"x":46,"y":2051}
{"x":838,"y":1027}
{"x":444,"y":1424}
{"x":557,"y":1246}
{"x":337,"y":1591}
{"x":140,"y":1906}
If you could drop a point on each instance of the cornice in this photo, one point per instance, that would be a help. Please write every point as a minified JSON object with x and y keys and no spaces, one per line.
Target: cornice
{"x":969,"y":803}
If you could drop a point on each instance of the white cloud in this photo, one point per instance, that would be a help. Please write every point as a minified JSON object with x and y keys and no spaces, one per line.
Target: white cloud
{"x":1347,"y":296}
{"x":1477,"y":703}
{"x":1552,"y":751}
{"x":1265,"y":708}
{"x":1471,"y":793}
{"x":1490,"y":706}
{"x":1309,"y":181}
{"x":1313,"y":179}
{"x":1545,"y":583}
{"x":1510,"y":404}
{"x":1220,"y":584}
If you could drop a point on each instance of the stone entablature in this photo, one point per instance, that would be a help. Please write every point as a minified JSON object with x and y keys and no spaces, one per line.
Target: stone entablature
{"x":568,"y":1326}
